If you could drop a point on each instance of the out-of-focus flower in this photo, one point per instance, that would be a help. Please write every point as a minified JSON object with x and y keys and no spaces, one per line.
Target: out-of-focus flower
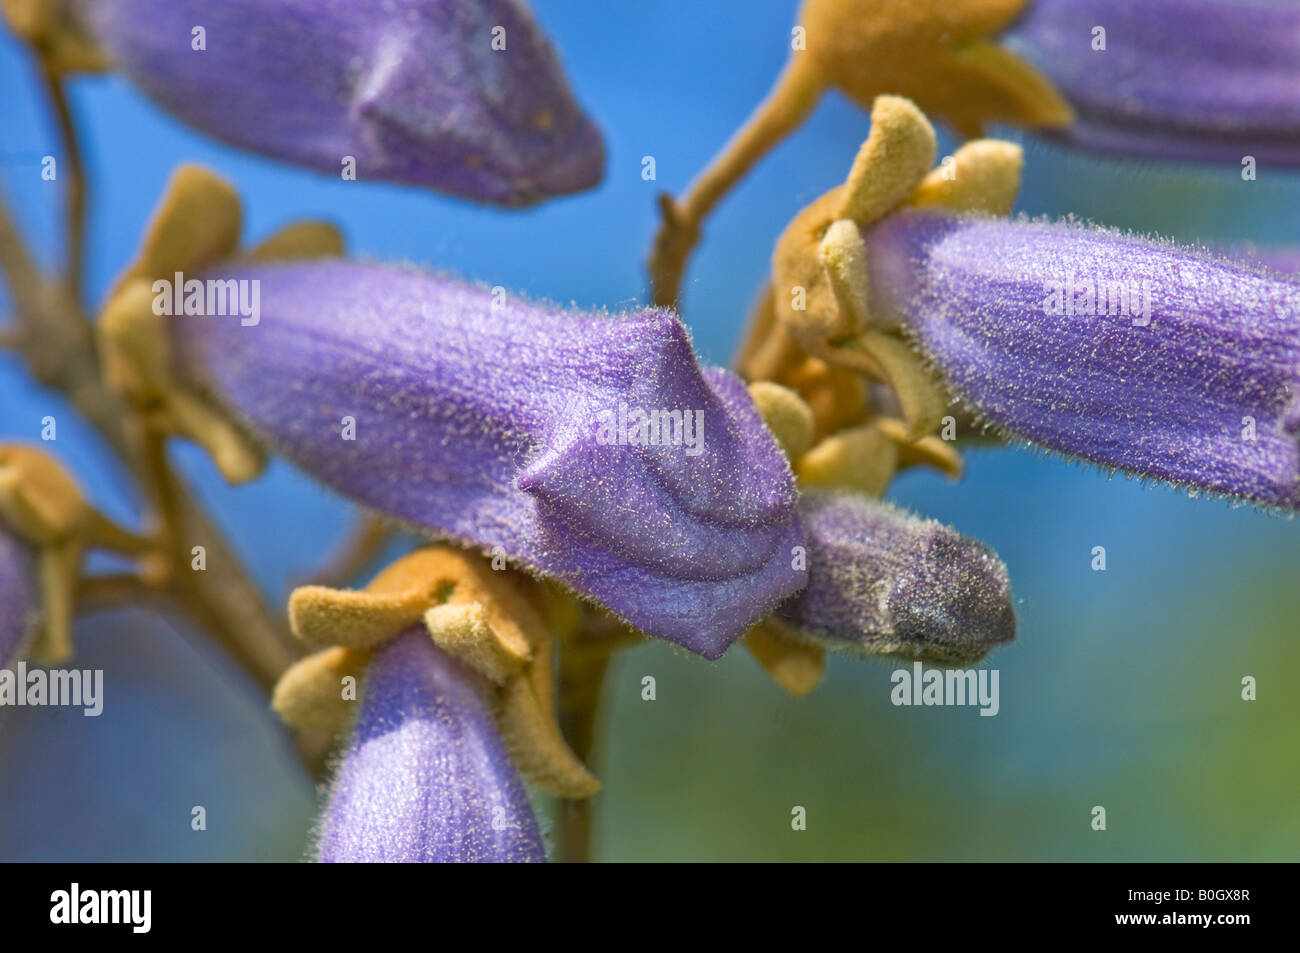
{"x":17,"y":596}
{"x":589,"y":448}
{"x":1173,"y":79}
{"x":941,"y":53}
{"x":463,"y":96}
{"x":1131,"y":353}
{"x":882,"y":581}
{"x":425,"y":777}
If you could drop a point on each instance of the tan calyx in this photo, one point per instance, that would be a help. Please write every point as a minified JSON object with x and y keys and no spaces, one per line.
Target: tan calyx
{"x":494,"y":621}
{"x":794,"y":663}
{"x":941,"y":54}
{"x":59,"y":40}
{"x":43,"y":504}
{"x":790,"y":419}
{"x":938,"y":53}
{"x":195,"y":226}
{"x":821,"y":296}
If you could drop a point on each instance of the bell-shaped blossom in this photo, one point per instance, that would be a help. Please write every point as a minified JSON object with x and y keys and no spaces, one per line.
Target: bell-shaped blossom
{"x":463,"y":96}
{"x":1213,"y":80}
{"x":882,"y":581}
{"x":1135,"y":354}
{"x":17,"y":596}
{"x":589,"y":448}
{"x":426,"y":778}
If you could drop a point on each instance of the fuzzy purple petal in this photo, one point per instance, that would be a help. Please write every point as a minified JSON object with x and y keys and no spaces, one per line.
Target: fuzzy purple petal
{"x":426,"y":777}
{"x":1212,"y":80}
{"x":1173,"y":363}
{"x":482,"y":420}
{"x":883,"y":581}
{"x":412,"y":89}
{"x":17,"y":593}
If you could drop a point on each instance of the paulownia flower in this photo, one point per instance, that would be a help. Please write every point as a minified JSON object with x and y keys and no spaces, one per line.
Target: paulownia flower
{"x":458,"y":692}
{"x":1173,"y":79}
{"x":463,"y":96}
{"x":588,"y":448}
{"x":882,"y":581}
{"x":1128,"y":352}
{"x":502,"y":423}
{"x":1131,"y":353}
{"x":17,"y":596}
{"x":425,"y":776}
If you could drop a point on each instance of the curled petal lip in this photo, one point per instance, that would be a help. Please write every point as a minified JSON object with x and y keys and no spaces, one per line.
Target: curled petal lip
{"x":480,"y":422}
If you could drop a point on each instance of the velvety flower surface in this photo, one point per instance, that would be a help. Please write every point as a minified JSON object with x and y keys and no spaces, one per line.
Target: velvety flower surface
{"x":1178,"y":79}
{"x":505,"y":424}
{"x":426,"y":777}
{"x":883,"y":581}
{"x":1134,"y":354}
{"x":17,"y":595}
{"x":412,"y":89}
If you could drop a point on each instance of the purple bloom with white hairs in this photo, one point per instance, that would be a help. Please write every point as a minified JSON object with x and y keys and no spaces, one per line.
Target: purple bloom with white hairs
{"x":426,"y":778}
{"x":1135,"y":354}
{"x":17,"y":596}
{"x":589,"y":448}
{"x":463,"y":96}
{"x":1214,"y":80}
{"x":882,"y":581}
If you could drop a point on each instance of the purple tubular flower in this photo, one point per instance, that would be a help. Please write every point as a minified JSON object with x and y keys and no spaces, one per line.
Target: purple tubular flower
{"x":17,"y":589}
{"x":414,"y":90}
{"x":883,"y":581}
{"x":426,"y":777}
{"x":500,"y":423}
{"x":1211,"y":80}
{"x":1144,"y":356}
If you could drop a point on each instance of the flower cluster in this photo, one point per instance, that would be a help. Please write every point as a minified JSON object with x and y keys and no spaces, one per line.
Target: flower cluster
{"x":578,"y":481}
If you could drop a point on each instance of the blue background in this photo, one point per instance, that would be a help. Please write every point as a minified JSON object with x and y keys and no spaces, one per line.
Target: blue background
{"x":1122,"y":689}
